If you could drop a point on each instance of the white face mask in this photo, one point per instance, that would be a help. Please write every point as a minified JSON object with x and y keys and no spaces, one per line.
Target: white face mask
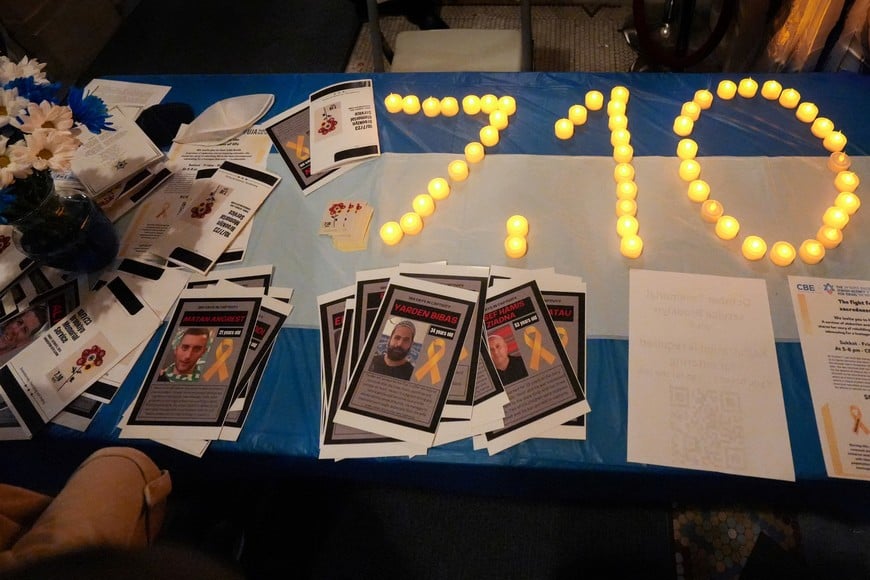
{"x":226,"y":119}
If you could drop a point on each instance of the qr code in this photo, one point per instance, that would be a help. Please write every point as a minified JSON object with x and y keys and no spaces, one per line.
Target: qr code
{"x":706,"y":428}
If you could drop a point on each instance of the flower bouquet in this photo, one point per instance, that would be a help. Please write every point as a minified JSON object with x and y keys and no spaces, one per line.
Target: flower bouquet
{"x":38,"y":138}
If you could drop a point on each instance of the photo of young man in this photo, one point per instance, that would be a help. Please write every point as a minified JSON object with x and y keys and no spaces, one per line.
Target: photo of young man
{"x":394,"y":361}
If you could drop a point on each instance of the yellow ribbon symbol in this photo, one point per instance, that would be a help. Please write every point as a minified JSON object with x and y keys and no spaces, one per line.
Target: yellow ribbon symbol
{"x":533,"y":340}
{"x":299,"y":147}
{"x":856,"y":414}
{"x":436,"y":351}
{"x":563,"y":335}
{"x":221,"y":355}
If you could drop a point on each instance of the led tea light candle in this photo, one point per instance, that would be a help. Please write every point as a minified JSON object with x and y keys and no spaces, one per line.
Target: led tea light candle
{"x":564,"y":128}
{"x":839,"y":161}
{"x":471,"y":104}
{"x":615,"y":108}
{"x":631,"y":246}
{"x":807,"y":112}
{"x":789,"y":98}
{"x":438,"y":188}
{"x":449,"y":106}
{"x":474,"y":152}
{"x":727,"y":227}
{"x":835,"y":141}
{"x":699,"y":190}
{"x":517,"y":225}
{"x":848,"y":202}
{"x":615,"y":122}
{"x":704,"y":98}
{"x":623,"y":172}
{"x":626,"y":207}
{"x":489,"y":136}
{"x":627,"y":225}
{"x":431,"y":107}
{"x":683,"y":126}
{"x":687,"y":149}
{"x":782,"y":253}
{"x":515,"y":246}
{"x":457,"y":170}
{"x":690,"y":170}
{"x":829,"y":237}
{"x":811,"y":251}
{"x":846,"y":181}
{"x":508,"y":104}
{"x":578,"y":114}
{"x":711,"y":211}
{"x":691,"y":110}
{"x":623,"y":153}
{"x":753,"y":248}
{"x":836,"y":217}
{"x":391,"y":233}
{"x":411,"y":105}
{"x":747,"y":88}
{"x":488,"y":103}
{"x":393,"y":102}
{"x":619,"y":93}
{"x":726,"y":90}
{"x":594,"y":100}
{"x":771,"y":90}
{"x":411,"y":223}
{"x":626,"y":190}
{"x":620,"y":137}
{"x":498,"y":119}
{"x":822,"y":127}
{"x":424,"y":205}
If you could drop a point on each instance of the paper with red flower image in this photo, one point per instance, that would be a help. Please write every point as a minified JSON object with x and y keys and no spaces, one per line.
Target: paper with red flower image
{"x":343,"y":126}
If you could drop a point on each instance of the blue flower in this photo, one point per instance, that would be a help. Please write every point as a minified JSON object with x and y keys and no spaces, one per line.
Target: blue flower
{"x":33,"y":91}
{"x":7,"y":196}
{"x":89,"y":110}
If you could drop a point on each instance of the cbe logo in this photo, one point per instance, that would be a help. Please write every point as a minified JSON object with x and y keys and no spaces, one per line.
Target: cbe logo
{"x":806,"y":287}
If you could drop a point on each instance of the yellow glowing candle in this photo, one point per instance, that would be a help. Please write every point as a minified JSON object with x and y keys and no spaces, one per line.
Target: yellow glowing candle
{"x":782,"y":253}
{"x":727,"y":227}
{"x":747,"y":88}
{"x":836,"y":217}
{"x":391,"y":233}
{"x":704,"y":98}
{"x":726,"y":90}
{"x":620,"y":137}
{"x":449,"y":106}
{"x":807,"y":112}
{"x":626,"y":190}
{"x":822,"y":127}
{"x":615,"y":108}
{"x":424,"y":205}
{"x":393,"y":102}
{"x":846,"y":181}
{"x":683,"y":126}
{"x":458,"y":170}
{"x":431,"y":107}
{"x":488,"y":103}
{"x":771,"y":90}
{"x":471,"y":104}
{"x":711,"y":211}
{"x":627,"y":225}
{"x":615,"y":122}
{"x":623,"y":172}
{"x":699,"y":190}
{"x":623,"y":153}
{"x":411,"y":223}
{"x":594,"y":100}
{"x":691,"y":109}
{"x":498,"y":119}
{"x":848,"y":202}
{"x":517,"y":225}
{"x":564,"y":128}
{"x":474,"y":152}
{"x":829,"y":237}
{"x":690,"y":170}
{"x":626,"y":207}
{"x":835,"y":141}
{"x":789,"y":98}
{"x":687,"y":149}
{"x":515,"y":246}
{"x":508,"y":104}
{"x":811,"y":251}
{"x":619,"y":93}
{"x":839,"y":161}
{"x":438,"y":188}
{"x":753,"y":248}
{"x":631,"y":246}
{"x":577,"y":114}
{"x":411,"y":105}
{"x":489,"y":136}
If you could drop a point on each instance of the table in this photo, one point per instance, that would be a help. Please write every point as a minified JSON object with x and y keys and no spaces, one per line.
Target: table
{"x":565,"y":189}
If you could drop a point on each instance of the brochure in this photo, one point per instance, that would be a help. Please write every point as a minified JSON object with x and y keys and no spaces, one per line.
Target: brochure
{"x":343,"y":125}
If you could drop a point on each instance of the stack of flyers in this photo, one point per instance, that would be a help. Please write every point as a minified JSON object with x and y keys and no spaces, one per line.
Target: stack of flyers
{"x":347,"y":223}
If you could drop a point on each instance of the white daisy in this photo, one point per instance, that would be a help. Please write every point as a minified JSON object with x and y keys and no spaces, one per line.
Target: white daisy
{"x":45,"y":115}
{"x":46,"y":149}
{"x":11,"y":105}
{"x":26,"y":68}
{"x":10,"y":170}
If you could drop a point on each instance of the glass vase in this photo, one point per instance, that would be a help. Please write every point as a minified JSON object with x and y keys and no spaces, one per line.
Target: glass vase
{"x":66,"y":230}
